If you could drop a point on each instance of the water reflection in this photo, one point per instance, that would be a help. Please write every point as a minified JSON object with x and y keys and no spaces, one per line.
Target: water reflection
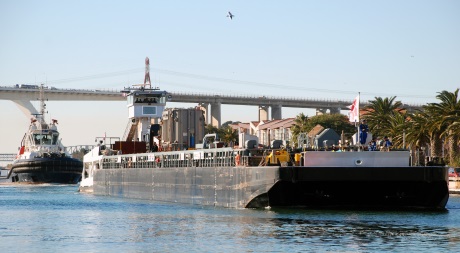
{"x":283,"y":230}
{"x":60,"y":218}
{"x":364,"y":230}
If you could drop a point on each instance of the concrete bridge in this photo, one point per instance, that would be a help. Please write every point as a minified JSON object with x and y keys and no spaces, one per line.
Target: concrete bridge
{"x":71,"y":149}
{"x":7,"y":157}
{"x":209,"y":102}
{"x":265,"y":104}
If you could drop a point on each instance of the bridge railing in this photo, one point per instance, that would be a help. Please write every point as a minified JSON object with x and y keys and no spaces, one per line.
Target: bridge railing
{"x":258,"y":97}
{"x":78,"y":148}
{"x":255,"y":98}
{"x":63,"y":89}
{"x":7,"y":157}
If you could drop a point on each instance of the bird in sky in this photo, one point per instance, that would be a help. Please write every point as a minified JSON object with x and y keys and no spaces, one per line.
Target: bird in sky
{"x":230,"y":15}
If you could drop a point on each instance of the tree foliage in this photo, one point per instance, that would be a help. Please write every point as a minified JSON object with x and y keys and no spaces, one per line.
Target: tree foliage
{"x":380,"y":113}
{"x":210,"y":129}
{"x":445,"y":121}
{"x":300,"y":126}
{"x":436,"y":126}
{"x":338,"y":122}
{"x":225,"y":133}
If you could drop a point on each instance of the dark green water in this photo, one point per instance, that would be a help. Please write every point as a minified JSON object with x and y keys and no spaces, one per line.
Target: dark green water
{"x":56,"y":218}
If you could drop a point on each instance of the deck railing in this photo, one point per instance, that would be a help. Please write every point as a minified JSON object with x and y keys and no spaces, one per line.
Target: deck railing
{"x":224,"y":157}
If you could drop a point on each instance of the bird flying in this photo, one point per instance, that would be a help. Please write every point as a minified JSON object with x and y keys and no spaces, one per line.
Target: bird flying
{"x":230,"y":15}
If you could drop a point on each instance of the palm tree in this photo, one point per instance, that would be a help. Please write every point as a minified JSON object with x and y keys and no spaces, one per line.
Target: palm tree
{"x":434,"y":128}
{"x":447,"y":113}
{"x":398,"y":125}
{"x":300,"y":126}
{"x":379,"y":114}
{"x":417,"y":135}
{"x":454,"y":130}
{"x":417,"y":131}
{"x":228,"y":134}
{"x":210,"y":129}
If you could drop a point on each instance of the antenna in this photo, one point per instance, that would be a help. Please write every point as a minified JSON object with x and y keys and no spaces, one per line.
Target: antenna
{"x":147,"y":73}
{"x":42,"y":103}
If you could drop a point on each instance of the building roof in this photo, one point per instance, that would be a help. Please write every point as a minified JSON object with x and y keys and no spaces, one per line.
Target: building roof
{"x":277,"y":123}
{"x":315,"y":131}
{"x":284,"y":123}
{"x":255,"y":123}
{"x":236,"y":126}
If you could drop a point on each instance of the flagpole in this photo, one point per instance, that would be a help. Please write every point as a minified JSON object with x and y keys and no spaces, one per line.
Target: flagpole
{"x":354,"y":116}
{"x":359,"y":98}
{"x":357,"y":125}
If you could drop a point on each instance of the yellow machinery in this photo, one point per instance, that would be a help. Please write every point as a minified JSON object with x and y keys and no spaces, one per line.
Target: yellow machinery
{"x":277,"y":157}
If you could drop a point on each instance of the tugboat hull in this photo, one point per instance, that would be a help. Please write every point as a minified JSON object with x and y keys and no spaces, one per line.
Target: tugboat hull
{"x":62,"y":170}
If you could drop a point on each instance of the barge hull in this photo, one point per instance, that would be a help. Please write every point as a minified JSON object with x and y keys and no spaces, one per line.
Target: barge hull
{"x":231,"y":187}
{"x":358,"y":187}
{"x":258,"y":187}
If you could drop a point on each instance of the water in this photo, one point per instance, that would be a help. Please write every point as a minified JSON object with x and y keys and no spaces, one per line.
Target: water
{"x":54,"y":218}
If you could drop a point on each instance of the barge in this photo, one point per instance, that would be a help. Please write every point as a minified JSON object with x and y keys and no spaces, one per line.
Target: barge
{"x":212,"y":175}
{"x":325,"y":179}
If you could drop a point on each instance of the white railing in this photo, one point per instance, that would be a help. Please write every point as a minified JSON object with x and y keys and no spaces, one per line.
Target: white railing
{"x":222,"y":157}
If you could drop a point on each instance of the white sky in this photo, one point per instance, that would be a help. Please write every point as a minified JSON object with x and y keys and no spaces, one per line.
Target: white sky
{"x":313,"y":49}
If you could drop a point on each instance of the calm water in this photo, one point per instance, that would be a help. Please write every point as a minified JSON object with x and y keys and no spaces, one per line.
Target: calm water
{"x":59,"y":219}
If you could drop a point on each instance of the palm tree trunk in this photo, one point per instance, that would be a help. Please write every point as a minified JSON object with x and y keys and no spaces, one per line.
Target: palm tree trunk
{"x":436,"y":146}
{"x":453,"y":148}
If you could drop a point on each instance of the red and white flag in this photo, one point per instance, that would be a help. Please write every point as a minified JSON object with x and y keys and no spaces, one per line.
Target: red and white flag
{"x":354,"y":110}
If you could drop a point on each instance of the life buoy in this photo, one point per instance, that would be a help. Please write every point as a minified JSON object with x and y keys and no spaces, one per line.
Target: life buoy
{"x":237,"y":159}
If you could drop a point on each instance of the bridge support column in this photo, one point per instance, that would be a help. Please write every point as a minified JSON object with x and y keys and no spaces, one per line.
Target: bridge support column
{"x":334,"y":110}
{"x":263,"y":112}
{"x":204,"y":108}
{"x":321,"y":111}
{"x":215,"y":114}
{"x":26,"y":107}
{"x":276,"y":112}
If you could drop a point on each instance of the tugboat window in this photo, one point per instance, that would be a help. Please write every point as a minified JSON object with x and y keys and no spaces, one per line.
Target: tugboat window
{"x":46,"y":139}
{"x":55,"y":139}
{"x":37,"y":138}
{"x":149,"y":110}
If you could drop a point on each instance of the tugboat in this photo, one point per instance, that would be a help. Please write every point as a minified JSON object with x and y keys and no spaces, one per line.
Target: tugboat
{"x":42,"y":158}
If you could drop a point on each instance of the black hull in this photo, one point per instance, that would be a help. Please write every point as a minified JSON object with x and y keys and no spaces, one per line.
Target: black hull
{"x":60,"y":170}
{"x":259,"y":187}
{"x":357,"y":187}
